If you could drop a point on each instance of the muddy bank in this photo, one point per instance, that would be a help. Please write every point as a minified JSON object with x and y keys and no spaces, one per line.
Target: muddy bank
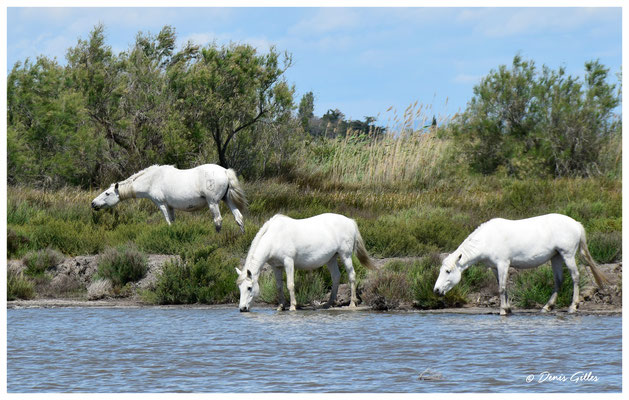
{"x":71,"y":284}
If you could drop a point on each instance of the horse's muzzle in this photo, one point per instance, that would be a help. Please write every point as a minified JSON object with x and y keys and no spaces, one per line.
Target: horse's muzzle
{"x":244,"y":309}
{"x":95,"y":207}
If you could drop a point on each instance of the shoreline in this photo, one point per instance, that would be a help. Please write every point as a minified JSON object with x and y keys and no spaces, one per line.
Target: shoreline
{"x":128,"y":304}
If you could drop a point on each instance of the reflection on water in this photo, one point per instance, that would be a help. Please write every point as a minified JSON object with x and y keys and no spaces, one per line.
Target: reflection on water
{"x":222,"y":350}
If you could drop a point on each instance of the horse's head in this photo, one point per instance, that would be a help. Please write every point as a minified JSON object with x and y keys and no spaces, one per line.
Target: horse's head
{"x":249,"y":288}
{"x":449,"y":274}
{"x":108,"y":198}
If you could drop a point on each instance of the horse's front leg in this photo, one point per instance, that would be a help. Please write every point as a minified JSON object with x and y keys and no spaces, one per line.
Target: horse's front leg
{"x":280,"y":287}
{"x":167,"y":212}
{"x":289,"y":266}
{"x":503,"y":274}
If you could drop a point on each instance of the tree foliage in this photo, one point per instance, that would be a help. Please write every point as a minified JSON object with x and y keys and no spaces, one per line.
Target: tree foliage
{"x":527,"y":121}
{"x":104,"y":116}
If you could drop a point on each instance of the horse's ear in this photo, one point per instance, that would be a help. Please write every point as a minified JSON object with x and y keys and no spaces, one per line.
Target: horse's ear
{"x":249,"y":274}
{"x":460,"y":256}
{"x":116,"y":187}
{"x":238,"y":271}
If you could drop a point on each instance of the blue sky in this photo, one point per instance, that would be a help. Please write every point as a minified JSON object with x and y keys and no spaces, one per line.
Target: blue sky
{"x":360,"y":60}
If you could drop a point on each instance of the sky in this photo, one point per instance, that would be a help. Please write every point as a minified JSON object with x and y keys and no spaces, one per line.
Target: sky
{"x":362,"y":61}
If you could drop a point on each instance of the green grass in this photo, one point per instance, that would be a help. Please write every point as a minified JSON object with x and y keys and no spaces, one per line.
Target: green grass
{"x":533,"y":288}
{"x":403,"y":218}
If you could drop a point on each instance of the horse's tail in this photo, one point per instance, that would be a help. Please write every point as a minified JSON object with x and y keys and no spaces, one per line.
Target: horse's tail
{"x":599,"y":277}
{"x":361,"y":251}
{"x":234,"y":190}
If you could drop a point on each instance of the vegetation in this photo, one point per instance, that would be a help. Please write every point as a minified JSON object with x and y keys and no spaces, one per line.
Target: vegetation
{"x":19,"y":287}
{"x":531,"y":141}
{"x":37,"y":262}
{"x":122,"y":265}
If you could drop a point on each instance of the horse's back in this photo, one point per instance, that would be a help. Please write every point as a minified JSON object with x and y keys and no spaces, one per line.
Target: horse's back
{"x":310,"y":241}
{"x":531,"y":240}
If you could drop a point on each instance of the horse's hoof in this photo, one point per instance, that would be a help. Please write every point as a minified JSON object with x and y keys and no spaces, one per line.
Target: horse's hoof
{"x":572,"y":309}
{"x":546,"y":309}
{"x":292,"y":308}
{"x":505,"y":311}
{"x":352,"y":305}
{"x":280,"y":308}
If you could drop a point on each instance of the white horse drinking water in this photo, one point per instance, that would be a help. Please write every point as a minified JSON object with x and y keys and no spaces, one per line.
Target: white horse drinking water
{"x":306,"y":244}
{"x":175,"y":189}
{"x":526,"y":243}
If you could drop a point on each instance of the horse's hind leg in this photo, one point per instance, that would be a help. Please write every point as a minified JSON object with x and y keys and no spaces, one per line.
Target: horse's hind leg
{"x":236,"y":212}
{"x":216,"y":214}
{"x":333,"y":267}
{"x":557,"y":263}
{"x":571,"y":263}
{"x":349,"y":267}
{"x":167,"y":211}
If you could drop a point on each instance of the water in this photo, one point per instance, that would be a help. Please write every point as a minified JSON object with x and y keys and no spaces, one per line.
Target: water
{"x":222,"y":350}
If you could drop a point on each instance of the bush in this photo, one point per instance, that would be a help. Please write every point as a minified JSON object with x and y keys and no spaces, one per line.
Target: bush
{"x":37,"y":262}
{"x":19,"y":287}
{"x":524,"y":121}
{"x":204,"y":276}
{"x":122,"y":265}
{"x":387,"y":288}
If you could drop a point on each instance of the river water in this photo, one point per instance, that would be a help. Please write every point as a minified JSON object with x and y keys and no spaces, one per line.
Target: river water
{"x":221,"y":350}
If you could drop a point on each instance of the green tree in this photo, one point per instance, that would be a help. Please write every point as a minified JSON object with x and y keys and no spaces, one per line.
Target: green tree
{"x":229,"y":89}
{"x":306,"y":111}
{"x":529,"y":122}
{"x":49,"y":139}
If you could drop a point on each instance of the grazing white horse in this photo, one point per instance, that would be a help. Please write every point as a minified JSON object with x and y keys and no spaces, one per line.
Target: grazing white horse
{"x":525,"y":243}
{"x":176,"y":189}
{"x":306,"y":244}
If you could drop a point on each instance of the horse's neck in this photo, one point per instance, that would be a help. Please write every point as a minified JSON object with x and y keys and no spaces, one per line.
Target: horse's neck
{"x":470,"y":252}
{"x":137,"y":187}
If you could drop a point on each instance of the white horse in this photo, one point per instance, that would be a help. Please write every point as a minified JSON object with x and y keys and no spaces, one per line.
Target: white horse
{"x":302,"y":244}
{"x":175,"y":189}
{"x":526,"y":243}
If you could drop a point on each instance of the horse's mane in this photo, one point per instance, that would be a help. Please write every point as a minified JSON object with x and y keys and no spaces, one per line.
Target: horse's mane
{"x":138,"y":174}
{"x":469,"y":247}
{"x":255,"y":242}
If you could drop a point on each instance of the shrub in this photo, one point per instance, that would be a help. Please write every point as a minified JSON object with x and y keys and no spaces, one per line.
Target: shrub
{"x":19,"y":287}
{"x":122,"y":265}
{"x":37,"y":262}
{"x":387,"y":288}
{"x":204,"y":276}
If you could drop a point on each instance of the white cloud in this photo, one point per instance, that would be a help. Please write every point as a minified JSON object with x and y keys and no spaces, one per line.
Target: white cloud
{"x":326,"y":20}
{"x":502,"y":22}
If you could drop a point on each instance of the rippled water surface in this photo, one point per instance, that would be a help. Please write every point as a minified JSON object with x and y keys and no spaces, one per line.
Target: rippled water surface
{"x":222,"y":350}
